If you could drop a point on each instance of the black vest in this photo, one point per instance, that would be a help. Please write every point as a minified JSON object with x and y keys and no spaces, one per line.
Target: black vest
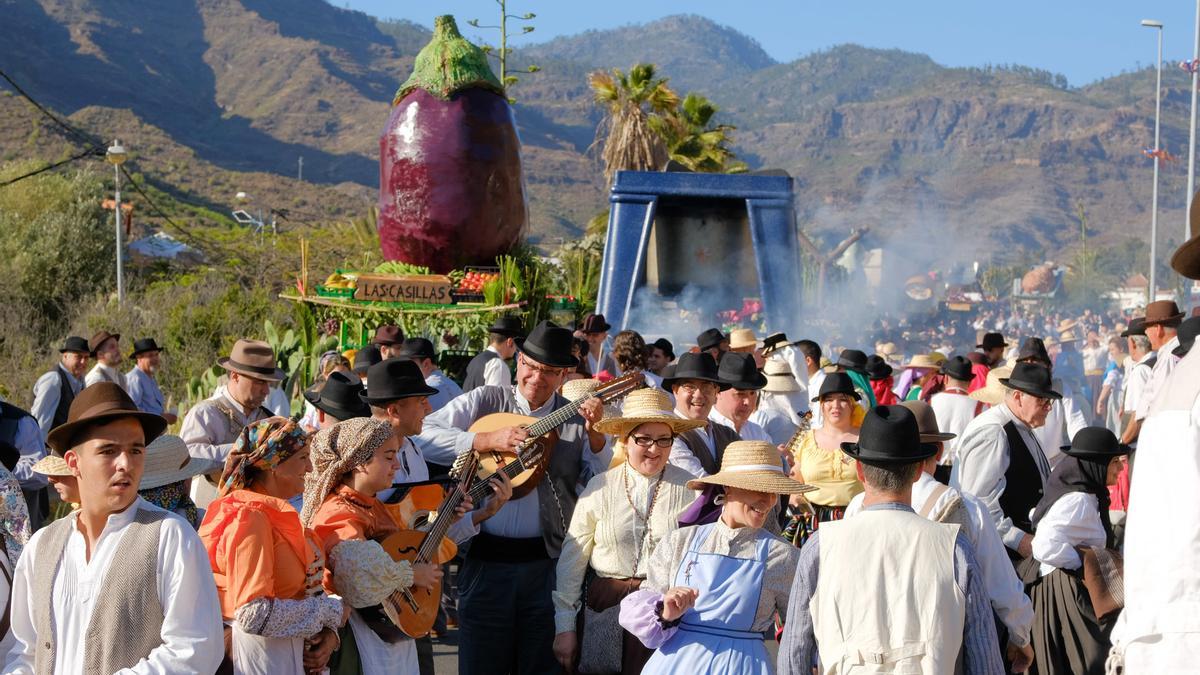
{"x":1022,"y":481}
{"x":556,"y":493}
{"x":66,"y":395}
{"x":722,"y":437}
{"x":475,"y":369}
{"x":10,"y":419}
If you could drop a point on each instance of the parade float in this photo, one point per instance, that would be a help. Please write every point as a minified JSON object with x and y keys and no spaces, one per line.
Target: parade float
{"x":452,"y":209}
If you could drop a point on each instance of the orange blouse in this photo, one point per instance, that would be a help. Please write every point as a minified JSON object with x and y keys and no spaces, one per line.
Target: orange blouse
{"x":349,"y":514}
{"x":258,"y":549}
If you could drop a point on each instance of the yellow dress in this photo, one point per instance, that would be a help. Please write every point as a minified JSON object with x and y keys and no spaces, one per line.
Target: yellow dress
{"x":832,"y":472}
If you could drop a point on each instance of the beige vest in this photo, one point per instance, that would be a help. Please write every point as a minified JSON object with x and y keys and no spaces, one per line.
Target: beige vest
{"x":126,"y":622}
{"x":886,"y":600}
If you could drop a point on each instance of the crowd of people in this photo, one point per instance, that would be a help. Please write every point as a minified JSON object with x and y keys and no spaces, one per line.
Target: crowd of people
{"x":585,"y":502}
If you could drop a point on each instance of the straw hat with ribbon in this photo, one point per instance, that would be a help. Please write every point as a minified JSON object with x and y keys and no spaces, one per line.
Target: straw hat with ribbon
{"x":742,"y":338}
{"x":993,"y":392}
{"x":645,"y":406}
{"x":167,"y":461}
{"x":779,"y":377}
{"x":926,"y":361}
{"x":752,"y":465}
{"x":52,"y":465}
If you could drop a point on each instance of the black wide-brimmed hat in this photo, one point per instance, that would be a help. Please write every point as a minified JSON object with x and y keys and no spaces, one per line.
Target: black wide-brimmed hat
{"x":1033,"y":348}
{"x":101,"y":403}
{"x":710,"y":339}
{"x":550,"y":345}
{"x":1137,"y":326}
{"x":340,"y":398}
{"x":508,"y":326}
{"x":394,"y":379}
{"x":853,"y":359}
{"x":418,"y":348}
{"x":991,"y":341}
{"x":388,"y":335}
{"x":594,"y":323}
{"x":1096,"y":443}
{"x":365,"y":358}
{"x":877,"y":367}
{"x":1033,"y":379}
{"x":695,"y":366}
{"x":958,"y":368}
{"x":1187,"y":335}
{"x":889,"y":435}
{"x":76,"y":344}
{"x":740,"y":372}
{"x":667,"y":348}
{"x":774,"y":342}
{"x":837,"y":383}
{"x":143,"y":345}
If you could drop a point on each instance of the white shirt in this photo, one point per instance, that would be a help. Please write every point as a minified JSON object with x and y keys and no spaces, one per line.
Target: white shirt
{"x":1073,"y":520}
{"x":777,"y":423}
{"x":1137,"y":376}
{"x":983,"y":457}
{"x":205,"y":423}
{"x":496,"y":372}
{"x":448,"y":389}
{"x":1162,"y":370}
{"x":1004,"y":587}
{"x":749,"y":431}
{"x":103,"y":373}
{"x":191,"y":629}
{"x":954,"y":411}
{"x":814,"y":388}
{"x":1067,"y":416}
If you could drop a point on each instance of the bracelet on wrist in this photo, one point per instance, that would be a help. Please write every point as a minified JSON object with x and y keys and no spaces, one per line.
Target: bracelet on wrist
{"x":658,"y":614}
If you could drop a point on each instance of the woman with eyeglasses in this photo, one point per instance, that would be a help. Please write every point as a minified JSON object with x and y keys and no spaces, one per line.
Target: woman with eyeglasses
{"x":620,"y":517}
{"x":818,"y":460}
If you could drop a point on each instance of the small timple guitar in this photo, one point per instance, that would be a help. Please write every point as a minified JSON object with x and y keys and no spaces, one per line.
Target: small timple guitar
{"x":542,"y":434}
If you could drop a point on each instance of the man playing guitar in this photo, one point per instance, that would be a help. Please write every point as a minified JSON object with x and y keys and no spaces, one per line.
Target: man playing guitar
{"x":506,"y":616}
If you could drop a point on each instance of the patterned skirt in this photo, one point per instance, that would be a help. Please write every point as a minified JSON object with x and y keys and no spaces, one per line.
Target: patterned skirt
{"x":802,"y":522}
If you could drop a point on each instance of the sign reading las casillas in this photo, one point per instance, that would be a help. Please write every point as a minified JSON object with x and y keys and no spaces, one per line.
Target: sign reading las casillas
{"x":432,"y":289}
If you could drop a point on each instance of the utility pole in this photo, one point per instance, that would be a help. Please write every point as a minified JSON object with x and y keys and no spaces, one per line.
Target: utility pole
{"x":1191,"y":184}
{"x":300,"y":163}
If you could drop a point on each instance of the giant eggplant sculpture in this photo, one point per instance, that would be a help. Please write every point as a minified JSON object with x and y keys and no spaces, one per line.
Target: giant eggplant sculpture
{"x":450,"y":185}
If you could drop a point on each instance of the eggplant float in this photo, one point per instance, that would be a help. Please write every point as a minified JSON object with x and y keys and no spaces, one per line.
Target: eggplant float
{"x":450,"y":187}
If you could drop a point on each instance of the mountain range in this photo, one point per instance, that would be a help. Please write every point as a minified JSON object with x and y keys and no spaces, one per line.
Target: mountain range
{"x":220,"y":96}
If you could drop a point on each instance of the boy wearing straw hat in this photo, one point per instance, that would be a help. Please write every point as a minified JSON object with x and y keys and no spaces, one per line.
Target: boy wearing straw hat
{"x":849,"y":618}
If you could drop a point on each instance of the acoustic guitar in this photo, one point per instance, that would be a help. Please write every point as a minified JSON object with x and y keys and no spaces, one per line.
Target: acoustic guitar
{"x":542,"y":433}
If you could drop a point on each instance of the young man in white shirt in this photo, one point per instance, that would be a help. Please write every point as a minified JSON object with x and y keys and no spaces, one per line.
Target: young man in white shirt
{"x":106,"y":349}
{"x":72,"y":610}
{"x":954,"y":408}
{"x":735,"y":405}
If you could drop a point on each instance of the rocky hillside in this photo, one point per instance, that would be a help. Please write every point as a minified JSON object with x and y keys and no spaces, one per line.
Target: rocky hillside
{"x":972,"y":163}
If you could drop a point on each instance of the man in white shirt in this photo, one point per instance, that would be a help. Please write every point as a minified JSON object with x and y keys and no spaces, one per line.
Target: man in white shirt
{"x":954,"y":408}
{"x":490,"y":367}
{"x":1142,"y":359}
{"x":695,"y":386}
{"x":810,"y":354}
{"x":941,"y":503}
{"x":1162,"y":327}
{"x":142,"y":382}
{"x":420,"y":351}
{"x":599,"y":358}
{"x":1000,"y":460}
{"x":735,"y":405}
{"x":106,"y":349}
{"x":157,"y":611}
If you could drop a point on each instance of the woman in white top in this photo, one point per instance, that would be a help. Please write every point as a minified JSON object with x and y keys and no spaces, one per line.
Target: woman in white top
{"x":619,"y":519}
{"x":1072,"y":516}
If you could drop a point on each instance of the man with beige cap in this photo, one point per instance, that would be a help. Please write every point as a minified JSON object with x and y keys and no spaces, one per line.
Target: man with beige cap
{"x":211,"y":426}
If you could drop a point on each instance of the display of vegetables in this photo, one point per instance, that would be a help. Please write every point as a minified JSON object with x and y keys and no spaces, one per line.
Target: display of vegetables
{"x":451,"y":191}
{"x":473,"y":282}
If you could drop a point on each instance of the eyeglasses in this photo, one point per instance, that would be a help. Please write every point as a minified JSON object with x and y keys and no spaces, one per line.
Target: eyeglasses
{"x":693,"y":387}
{"x":647,"y":441}
{"x":548,"y":372}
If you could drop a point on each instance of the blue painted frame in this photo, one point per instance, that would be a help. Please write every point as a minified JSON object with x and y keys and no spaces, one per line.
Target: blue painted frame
{"x":634,"y":201}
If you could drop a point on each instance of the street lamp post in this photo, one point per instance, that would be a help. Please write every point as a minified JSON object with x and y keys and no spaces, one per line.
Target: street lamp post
{"x":1157,"y":25}
{"x":116,"y":156}
{"x":1191,"y":181}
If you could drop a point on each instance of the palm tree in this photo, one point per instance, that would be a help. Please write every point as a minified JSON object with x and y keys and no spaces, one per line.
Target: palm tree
{"x":638,"y":108}
{"x":695,"y":144}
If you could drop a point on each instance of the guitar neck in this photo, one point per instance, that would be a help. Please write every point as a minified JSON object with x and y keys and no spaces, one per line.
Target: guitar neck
{"x":441,"y":525}
{"x":483,"y":488}
{"x":556,"y":419}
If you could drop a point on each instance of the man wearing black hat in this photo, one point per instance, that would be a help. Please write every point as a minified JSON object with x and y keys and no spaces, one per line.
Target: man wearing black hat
{"x":491,"y":365}
{"x":142,"y":385}
{"x":954,"y":408}
{"x":1067,"y":415}
{"x":506,"y":614}
{"x":695,"y":384}
{"x":420,"y":351}
{"x":938,"y":614}
{"x":52,"y":396}
{"x":594,"y":330}
{"x":365,"y":358}
{"x":992,"y":346}
{"x":338,"y":399}
{"x":1000,"y":460}
{"x":660,"y":355}
{"x":735,"y":405}
{"x":713,"y":342}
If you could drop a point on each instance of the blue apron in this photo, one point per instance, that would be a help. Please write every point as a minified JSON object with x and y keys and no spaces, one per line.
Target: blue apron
{"x":715,"y":635}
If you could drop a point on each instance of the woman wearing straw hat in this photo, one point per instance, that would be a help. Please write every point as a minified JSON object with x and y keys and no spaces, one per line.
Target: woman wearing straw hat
{"x":818,"y":460}
{"x":267,"y":566}
{"x":711,"y":591}
{"x":56,"y":471}
{"x":165,"y":479}
{"x":619,"y":519}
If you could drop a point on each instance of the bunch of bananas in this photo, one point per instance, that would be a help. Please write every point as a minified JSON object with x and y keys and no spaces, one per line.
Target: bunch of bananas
{"x":336,"y":280}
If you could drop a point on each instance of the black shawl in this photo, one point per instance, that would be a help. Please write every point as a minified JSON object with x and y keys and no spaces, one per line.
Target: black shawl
{"x":1076,"y":474}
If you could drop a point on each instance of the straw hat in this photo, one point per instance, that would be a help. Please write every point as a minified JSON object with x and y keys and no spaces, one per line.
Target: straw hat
{"x":1066,"y":325}
{"x":642,"y":407}
{"x":52,"y":465}
{"x":577,"y":389}
{"x":886,"y":349}
{"x":752,"y":465}
{"x":926,"y":361}
{"x":993,"y":392}
{"x":1067,"y":336}
{"x":779,"y":377}
{"x":742,"y":338}
{"x":167,"y":462}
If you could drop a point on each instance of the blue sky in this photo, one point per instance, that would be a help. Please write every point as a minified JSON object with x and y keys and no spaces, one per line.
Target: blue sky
{"x":1085,"y":41}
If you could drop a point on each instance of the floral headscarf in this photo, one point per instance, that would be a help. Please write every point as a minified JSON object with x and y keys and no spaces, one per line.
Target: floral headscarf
{"x":335,"y":452}
{"x":263,"y":446}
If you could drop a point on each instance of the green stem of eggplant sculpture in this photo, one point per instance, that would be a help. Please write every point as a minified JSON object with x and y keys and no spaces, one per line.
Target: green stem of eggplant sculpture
{"x":448,"y":64}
